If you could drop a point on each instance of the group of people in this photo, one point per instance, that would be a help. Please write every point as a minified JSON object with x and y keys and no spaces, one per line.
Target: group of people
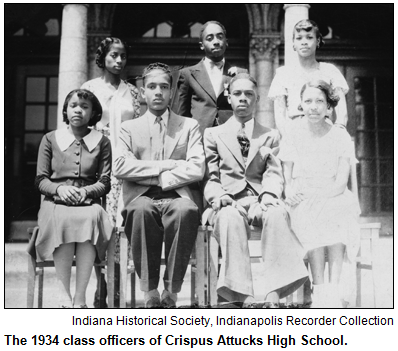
{"x":203,"y":159}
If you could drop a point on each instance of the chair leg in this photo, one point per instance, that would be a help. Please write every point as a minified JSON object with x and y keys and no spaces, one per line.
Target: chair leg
{"x":40,"y":289}
{"x":31,"y":282}
{"x":123,"y":269}
{"x":102,"y":292}
{"x":132,"y":287}
{"x":111,"y":270}
{"x":199,"y":284}
{"x":212,"y":269}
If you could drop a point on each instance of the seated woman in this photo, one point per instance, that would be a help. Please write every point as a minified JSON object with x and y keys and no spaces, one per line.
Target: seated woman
{"x":73,"y":173}
{"x":324,"y":213}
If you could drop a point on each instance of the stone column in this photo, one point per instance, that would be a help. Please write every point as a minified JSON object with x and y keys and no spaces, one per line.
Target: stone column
{"x":293,"y":14}
{"x":264,"y":47}
{"x":73,"y":55}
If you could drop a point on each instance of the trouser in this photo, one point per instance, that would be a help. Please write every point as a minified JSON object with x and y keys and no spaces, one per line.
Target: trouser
{"x":148,"y":223}
{"x":283,"y":268}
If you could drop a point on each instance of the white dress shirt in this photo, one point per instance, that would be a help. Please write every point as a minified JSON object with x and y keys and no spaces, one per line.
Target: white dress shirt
{"x":215,"y":73}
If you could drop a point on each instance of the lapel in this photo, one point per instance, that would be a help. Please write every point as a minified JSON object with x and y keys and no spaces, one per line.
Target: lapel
{"x":174,"y":132}
{"x":260,"y":134}
{"x":142,"y":132}
{"x":231,"y":142}
{"x":200,"y":74}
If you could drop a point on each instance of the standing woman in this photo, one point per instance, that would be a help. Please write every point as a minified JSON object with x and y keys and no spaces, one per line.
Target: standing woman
{"x":73,"y":173}
{"x":324,"y":213}
{"x":288,"y":81}
{"x":119,"y":101}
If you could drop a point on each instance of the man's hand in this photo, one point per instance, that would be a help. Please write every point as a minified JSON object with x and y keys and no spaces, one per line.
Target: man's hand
{"x":168,"y":165}
{"x":268,"y":200}
{"x":222,"y":201}
{"x":293,"y":198}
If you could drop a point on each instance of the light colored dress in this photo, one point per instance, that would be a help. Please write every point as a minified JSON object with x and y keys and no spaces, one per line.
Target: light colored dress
{"x":321,"y":221}
{"x":288,"y":82}
{"x":63,"y":160}
{"x":118,"y":105}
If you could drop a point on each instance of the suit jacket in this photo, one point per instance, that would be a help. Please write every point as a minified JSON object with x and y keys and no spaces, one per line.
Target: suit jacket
{"x":197,"y":99}
{"x":134,"y":165}
{"x":226,"y":172}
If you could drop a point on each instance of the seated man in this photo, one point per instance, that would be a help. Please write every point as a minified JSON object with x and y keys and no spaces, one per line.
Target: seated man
{"x":161,"y":161}
{"x":243,"y":184}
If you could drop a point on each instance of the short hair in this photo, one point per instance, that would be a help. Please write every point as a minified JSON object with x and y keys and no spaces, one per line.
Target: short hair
{"x":308,"y":25}
{"x":104,"y":48}
{"x":331,"y":97}
{"x":160,"y":66}
{"x":241,"y":76}
{"x":87,"y":95}
{"x":205,"y":26}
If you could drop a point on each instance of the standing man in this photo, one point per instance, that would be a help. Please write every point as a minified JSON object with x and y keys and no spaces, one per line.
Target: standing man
{"x":243,"y":184}
{"x":161,"y":161}
{"x":203,"y":88}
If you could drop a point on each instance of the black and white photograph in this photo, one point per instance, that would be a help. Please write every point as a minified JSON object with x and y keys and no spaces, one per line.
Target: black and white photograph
{"x":199,"y":156}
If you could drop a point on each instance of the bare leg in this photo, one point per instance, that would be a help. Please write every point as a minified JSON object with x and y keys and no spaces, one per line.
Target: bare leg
{"x":316,"y":258}
{"x":336,"y":257}
{"x":63,"y":259}
{"x":85,"y":256}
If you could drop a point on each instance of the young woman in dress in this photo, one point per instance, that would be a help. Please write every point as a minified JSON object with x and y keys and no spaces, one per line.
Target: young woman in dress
{"x":324,"y":213}
{"x":120,"y":102}
{"x":287,"y":83}
{"x":73,"y":173}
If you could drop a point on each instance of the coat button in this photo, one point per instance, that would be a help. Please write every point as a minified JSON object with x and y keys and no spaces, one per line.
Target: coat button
{"x":78,"y":143}
{"x":77,"y":153}
{"x":76,"y":172}
{"x":77,"y":162}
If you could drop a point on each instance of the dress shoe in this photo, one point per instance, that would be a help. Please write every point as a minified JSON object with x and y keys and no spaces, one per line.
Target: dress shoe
{"x":153,"y":302}
{"x":271,"y":305}
{"x":168,"y":302}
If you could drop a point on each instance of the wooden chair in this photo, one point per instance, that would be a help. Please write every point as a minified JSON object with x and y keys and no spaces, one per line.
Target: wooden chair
{"x":126,"y":266}
{"x":36,"y":269}
{"x":364,"y":260}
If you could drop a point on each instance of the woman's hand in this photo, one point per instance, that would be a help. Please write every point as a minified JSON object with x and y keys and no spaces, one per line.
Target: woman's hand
{"x":83,"y":195}
{"x":70,"y":194}
{"x":293,"y":197}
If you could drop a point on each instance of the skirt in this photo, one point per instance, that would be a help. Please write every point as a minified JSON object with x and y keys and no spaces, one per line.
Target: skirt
{"x":60,"y":224}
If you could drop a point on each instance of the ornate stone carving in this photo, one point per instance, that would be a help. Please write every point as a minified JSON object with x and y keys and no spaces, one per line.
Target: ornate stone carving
{"x":264,"y":46}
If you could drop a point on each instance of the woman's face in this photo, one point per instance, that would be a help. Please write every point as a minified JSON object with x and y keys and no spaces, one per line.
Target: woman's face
{"x":305,"y":43}
{"x":116,"y":58}
{"x":314,"y":104}
{"x":79,"y":111}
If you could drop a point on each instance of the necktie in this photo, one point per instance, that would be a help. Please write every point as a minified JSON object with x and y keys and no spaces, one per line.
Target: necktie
{"x":244,"y":142}
{"x":158,"y":138}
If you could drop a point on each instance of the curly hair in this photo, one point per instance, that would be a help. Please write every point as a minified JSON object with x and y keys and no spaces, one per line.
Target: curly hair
{"x":308,"y":25}
{"x":157,"y":66}
{"x":331,"y":97}
{"x":104,"y":48}
{"x":87,"y":95}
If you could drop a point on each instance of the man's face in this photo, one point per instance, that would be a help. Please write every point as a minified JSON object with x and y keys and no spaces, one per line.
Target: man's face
{"x":157,"y":91}
{"x":243,"y":97}
{"x":214,"y":42}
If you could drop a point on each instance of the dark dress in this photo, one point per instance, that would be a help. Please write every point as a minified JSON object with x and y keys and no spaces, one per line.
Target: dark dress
{"x":63,"y":160}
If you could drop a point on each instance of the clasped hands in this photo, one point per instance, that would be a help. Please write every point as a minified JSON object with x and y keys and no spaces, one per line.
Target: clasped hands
{"x":226,"y":200}
{"x":72,"y":195}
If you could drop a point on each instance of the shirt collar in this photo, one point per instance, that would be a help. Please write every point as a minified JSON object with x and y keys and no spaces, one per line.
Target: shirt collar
{"x":65,"y":139}
{"x":207,"y":61}
{"x":165,"y":117}
{"x":249,"y":126}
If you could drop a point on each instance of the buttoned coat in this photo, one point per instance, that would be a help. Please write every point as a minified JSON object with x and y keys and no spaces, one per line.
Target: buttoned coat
{"x":196,"y":97}
{"x":133,"y":162}
{"x":227,"y":173}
